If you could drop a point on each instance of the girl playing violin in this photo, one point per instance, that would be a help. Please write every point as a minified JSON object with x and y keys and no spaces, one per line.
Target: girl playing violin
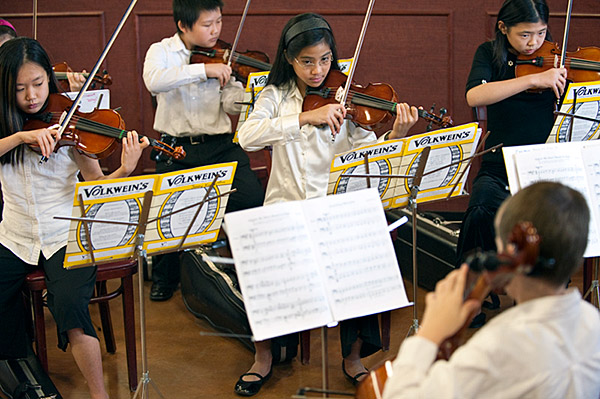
{"x":547,"y":346}
{"x":302,"y":155}
{"x":515,"y":116}
{"x":34,"y":193}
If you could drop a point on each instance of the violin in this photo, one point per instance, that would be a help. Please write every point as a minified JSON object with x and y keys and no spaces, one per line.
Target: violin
{"x":582,"y":65}
{"x":61,"y":69}
{"x":499,"y":269}
{"x":94,"y":134}
{"x":243,"y":64}
{"x":369,"y":107}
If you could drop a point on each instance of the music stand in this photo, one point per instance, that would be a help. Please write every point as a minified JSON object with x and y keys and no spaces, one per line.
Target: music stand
{"x":140,"y":253}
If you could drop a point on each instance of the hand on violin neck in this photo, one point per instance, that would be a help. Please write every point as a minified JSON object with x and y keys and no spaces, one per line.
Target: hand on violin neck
{"x":76,"y":80}
{"x":406,"y":117}
{"x":132,"y":147}
{"x":445,"y":309}
{"x":42,"y":140}
{"x":222,"y":72}
{"x":331,"y":115}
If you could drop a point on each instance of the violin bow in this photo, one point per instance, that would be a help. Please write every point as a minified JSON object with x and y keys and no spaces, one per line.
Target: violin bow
{"x":563,"y":54}
{"x":93,"y":72}
{"x":361,"y":38}
{"x":35,"y":8}
{"x":239,"y":33}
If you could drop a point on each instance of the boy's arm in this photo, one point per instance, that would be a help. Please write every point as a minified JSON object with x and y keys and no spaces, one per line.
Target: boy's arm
{"x":232,"y":93}
{"x":159,"y":77}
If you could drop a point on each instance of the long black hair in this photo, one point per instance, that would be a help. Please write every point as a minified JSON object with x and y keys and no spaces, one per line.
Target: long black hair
{"x":13,"y":54}
{"x":301,"y":31}
{"x":514,"y":12}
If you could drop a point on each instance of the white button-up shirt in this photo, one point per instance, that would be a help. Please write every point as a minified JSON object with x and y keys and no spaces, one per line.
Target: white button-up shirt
{"x":302,"y":156}
{"x":544,"y":348}
{"x":188,"y":103}
{"x":33,"y":194}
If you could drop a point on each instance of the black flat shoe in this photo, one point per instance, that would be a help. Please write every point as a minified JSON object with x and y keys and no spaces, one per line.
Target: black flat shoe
{"x":160,"y":293}
{"x":353,"y":379}
{"x":251,"y":388}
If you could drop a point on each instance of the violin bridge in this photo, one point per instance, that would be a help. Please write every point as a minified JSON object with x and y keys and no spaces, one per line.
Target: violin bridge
{"x":339,"y":94}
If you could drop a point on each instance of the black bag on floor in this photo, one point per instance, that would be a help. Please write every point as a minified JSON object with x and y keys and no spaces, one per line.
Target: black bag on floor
{"x":26,"y":379}
{"x":211,"y":291}
{"x":437,"y":237}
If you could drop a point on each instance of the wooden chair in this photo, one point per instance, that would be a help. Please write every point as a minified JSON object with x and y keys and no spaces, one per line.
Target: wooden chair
{"x":35,"y":284}
{"x":385,"y":320}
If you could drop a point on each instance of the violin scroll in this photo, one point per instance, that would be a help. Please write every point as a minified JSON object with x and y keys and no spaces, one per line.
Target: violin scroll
{"x":498,"y":269}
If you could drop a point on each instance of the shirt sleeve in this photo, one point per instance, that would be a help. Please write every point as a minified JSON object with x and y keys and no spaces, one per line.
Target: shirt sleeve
{"x":416,"y":374}
{"x":232,"y":93}
{"x":482,"y":67}
{"x":160,"y":77}
{"x":265,"y":126}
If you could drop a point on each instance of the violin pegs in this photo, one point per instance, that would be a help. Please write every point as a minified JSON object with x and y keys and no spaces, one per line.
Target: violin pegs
{"x":432,"y":109}
{"x":443,"y":111}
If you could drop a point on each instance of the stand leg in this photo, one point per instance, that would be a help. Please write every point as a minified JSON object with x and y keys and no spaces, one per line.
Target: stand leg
{"x":325,"y":360}
{"x":415,"y":323}
{"x":594,"y":287}
{"x":142,"y":386}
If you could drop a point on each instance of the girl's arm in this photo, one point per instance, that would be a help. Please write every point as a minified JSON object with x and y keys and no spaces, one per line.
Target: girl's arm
{"x":493,"y":92}
{"x":42,"y":138}
{"x":130,"y":154}
{"x":406,"y":117}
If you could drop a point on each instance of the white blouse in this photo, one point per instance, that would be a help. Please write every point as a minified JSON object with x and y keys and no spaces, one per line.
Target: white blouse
{"x":302,"y":156}
{"x":33,"y":194}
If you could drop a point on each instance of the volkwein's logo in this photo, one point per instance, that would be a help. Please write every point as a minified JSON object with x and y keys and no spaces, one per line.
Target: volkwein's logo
{"x":444,"y":138}
{"x":585,"y":92}
{"x":101,"y":191}
{"x":354,"y":156}
{"x":200,"y":177}
{"x":259,"y":81}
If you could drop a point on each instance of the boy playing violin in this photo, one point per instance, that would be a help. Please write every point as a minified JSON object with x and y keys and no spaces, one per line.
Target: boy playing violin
{"x":547,"y":346}
{"x":192,"y":106}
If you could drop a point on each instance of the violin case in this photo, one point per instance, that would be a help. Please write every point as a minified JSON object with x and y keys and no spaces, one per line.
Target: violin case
{"x":210,"y":291}
{"x":26,"y":379}
{"x":437,"y":237}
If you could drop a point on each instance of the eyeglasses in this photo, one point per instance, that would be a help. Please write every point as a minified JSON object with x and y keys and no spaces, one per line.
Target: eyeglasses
{"x":307,"y":64}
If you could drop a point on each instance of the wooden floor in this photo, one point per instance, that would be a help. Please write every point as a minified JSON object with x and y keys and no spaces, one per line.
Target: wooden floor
{"x":184,"y":363}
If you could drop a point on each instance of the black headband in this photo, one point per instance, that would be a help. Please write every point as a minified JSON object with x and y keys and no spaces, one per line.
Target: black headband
{"x":304,"y":26}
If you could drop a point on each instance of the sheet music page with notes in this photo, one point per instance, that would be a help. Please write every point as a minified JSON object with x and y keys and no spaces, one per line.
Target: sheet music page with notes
{"x":306,"y":264}
{"x":356,"y":254}
{"x":574,"y":164}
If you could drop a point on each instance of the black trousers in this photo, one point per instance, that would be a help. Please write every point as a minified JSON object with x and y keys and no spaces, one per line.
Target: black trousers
{"x":69,"y":293}
{"x":477,"y":230}
{"x":212,"y":150}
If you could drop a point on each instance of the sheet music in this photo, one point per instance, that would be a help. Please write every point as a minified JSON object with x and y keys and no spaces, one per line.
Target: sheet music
{"x":305,"y":264}
{"x":277,"y":270}
{"x":587,"y":96}
{"x":572,"y":164}
{"x":356,"y":253}
{"x":401,"y":157}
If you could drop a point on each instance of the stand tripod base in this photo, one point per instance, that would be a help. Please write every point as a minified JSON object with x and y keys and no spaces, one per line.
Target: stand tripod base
{"x":413,"y":328}
{"x":142,"y":388}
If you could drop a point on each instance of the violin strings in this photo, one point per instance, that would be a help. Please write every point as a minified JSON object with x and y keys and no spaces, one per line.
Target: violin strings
{"x":577,"y":63}
{"x":380,"y":103}
{"x":92,"y":126}
{"x":242,"y":59}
